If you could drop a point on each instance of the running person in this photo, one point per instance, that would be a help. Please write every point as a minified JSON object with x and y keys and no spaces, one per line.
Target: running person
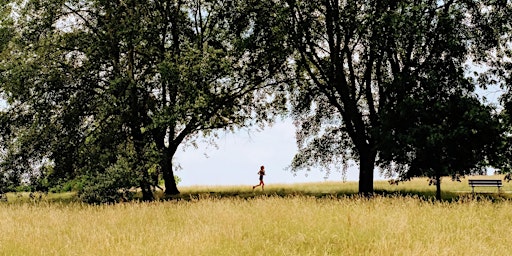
{"x":261,"y":173}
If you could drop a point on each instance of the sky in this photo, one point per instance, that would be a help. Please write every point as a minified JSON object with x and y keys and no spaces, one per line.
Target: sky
{"x":240,"y":155}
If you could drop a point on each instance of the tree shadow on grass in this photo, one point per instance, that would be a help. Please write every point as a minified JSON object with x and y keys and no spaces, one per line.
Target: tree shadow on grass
{"x":427,"y":196}
{"x":286,"y":192}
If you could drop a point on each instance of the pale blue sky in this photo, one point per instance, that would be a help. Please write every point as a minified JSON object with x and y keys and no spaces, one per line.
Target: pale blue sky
{"x":239,"y":156}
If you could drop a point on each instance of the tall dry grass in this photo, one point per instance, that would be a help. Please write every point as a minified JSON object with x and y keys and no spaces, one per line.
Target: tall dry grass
{"x":267,"y":224}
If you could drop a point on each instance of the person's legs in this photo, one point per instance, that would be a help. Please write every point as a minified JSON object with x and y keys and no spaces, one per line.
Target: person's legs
{"x":262,"y":184}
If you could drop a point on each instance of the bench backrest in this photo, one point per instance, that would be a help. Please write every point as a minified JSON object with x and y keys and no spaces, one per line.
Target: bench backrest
{"x":485,"y":182}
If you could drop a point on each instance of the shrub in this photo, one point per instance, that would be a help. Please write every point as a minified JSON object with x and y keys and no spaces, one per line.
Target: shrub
{"x":109,"y":187}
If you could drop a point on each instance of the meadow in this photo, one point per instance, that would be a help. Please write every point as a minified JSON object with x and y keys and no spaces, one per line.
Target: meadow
{"x":300,"y":219}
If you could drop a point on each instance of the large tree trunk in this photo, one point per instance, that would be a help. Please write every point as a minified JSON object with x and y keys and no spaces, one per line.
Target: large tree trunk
{"x":171,"y":187}
{"x":140,"y":166}
{"x":366,"y":171}
{"x":165,"y":163}
{"x":147,"y":195}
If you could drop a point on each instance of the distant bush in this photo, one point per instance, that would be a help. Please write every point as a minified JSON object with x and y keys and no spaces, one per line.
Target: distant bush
{"x":23,"y":188}
{"x":109,"y":187}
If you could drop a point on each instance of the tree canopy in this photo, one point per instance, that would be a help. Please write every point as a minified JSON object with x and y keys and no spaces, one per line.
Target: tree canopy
{"x":360,"y":63}
{"x":95,"y":85}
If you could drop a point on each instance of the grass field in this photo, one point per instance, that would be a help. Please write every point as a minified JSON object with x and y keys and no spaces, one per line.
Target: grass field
{"x":300,"y":219}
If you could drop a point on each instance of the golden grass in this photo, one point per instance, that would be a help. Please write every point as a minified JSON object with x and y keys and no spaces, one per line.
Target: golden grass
{"x":285,"y":220}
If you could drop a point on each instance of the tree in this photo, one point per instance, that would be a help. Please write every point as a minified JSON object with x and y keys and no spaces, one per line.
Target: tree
{"x":454,"y":135}
{"x":92,"y":83}
{"x":357,"y":61}
{"x":6,"y":34}
{"x":499,"y":74}
{"x":6,"y":22}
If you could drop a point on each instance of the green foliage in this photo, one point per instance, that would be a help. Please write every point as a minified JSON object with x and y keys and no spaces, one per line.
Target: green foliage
{"x":442,"y":137}
{"x":89,"y":82}
{"x":111,"y":186}
{"x":6,"y":24}
{"x":359,"y":64}
{"x":503,"y":160}
{"x":74,"y":185}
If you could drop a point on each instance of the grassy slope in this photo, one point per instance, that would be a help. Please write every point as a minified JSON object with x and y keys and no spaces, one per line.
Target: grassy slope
{"x":301,"y":219}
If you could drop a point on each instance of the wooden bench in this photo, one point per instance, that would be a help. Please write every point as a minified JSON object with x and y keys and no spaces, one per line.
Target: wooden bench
{"x":485,"y":183}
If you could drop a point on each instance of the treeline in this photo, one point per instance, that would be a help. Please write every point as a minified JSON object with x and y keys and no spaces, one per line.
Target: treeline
{"x":102,"y":93}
